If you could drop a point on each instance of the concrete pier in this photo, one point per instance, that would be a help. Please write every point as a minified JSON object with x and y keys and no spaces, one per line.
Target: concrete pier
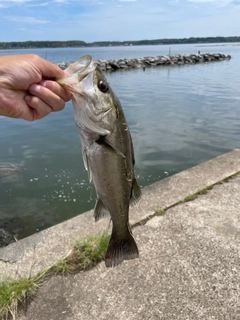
{"x":189,"y":265}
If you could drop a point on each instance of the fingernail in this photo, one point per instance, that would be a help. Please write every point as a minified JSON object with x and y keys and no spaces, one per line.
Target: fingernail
{"x":43,"y":83}
{"x":35,"y":87}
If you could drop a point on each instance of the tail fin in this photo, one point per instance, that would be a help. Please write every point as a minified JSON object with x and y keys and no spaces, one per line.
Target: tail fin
{"x":120,"y":249}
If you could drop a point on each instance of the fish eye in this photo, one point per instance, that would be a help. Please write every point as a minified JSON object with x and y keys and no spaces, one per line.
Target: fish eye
{"x":103,"y":86}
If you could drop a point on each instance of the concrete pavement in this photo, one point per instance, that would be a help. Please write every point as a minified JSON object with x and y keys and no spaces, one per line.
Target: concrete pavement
{"x":189,"y":265}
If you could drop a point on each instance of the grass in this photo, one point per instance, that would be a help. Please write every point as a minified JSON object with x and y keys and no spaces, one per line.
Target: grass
{"x":13,"y":293}
{"x":84,"y":256}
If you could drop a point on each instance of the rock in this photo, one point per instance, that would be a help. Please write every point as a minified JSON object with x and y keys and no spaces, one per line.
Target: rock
{"x":177,"y":59}
{"x":6,"y":238}
{"x":63,"y":65}
{"x":102,"y":64}
{"x":167,"y":58}
{"x":124,"y":66}
{"x":114,"y":65}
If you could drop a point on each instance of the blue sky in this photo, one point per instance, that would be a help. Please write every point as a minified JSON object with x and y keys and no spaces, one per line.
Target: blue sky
{"x":97,"y":20}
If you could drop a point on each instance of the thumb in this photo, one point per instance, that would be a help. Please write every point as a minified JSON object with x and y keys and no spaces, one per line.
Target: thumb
{"x":50,"y":70}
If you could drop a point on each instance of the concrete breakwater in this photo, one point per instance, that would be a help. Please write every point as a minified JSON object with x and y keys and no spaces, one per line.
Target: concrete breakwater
{"x":178,"y":59}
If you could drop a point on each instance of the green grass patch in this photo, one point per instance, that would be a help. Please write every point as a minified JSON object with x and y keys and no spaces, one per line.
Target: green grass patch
{"x":190,"y":197}
{"x":194,"y":195}
{"x":13,"y":293}
{"x":160,"y":212}
{"x":85,"y":255}
{"x":91,"y":251}
{"x":205,"y":190}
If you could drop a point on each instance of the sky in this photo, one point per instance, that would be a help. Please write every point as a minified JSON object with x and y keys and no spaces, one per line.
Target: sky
{"x":120,"y":20}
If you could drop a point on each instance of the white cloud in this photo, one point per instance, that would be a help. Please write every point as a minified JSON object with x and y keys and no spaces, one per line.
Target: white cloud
{"x":127,"y":0}
{"x":27,"y":20}
{"x":219,"y":3}
{"x":12,"y":2}
{"x":201,"y":1}
{"x":44,"y":4}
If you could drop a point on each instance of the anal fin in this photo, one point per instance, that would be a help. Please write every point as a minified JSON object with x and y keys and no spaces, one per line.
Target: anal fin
{"x":100,"y":211}
{"x":136,"y":192}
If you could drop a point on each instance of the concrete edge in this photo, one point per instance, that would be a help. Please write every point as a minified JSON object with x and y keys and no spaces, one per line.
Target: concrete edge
{"x":42,"y":250}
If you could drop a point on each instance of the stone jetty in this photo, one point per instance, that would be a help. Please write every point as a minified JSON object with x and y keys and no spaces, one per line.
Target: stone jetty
{"x":178,"y":59}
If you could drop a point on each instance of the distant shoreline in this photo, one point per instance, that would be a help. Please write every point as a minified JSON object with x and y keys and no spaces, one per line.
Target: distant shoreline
{"x":207,"y":41}
{"x":219,"y":45}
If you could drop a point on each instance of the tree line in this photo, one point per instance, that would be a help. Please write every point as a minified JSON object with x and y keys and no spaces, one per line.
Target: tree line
{"x":79,"y":43}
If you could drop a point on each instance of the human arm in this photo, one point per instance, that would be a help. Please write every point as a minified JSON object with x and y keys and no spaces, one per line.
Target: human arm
{"x":26,"y":88}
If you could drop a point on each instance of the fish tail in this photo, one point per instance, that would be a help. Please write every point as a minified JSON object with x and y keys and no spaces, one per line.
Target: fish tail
{"x":120,"y":249}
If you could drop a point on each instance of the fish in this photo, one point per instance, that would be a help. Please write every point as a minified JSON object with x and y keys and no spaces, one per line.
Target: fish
{"x":107,"y":151}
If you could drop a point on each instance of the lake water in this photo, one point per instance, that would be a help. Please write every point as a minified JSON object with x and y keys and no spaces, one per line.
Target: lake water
{"x":179,"y":116}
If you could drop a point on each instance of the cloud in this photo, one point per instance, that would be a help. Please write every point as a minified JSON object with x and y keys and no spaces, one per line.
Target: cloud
{"x":44,"y":4}
{"x":27,"y":20}
{"x":218,"y":3}
{"x":13,"y":2}
{"x":201,"y":1}
{"x":99,"y":20}
{"x":61,"y":1}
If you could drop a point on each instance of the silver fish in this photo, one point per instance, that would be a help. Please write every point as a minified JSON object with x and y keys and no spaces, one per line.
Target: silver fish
{"x":107,"y":153}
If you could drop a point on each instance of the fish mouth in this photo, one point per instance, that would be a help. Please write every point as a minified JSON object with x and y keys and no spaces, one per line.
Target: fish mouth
{"x":76,"y":72}
{"x":80,"y":66}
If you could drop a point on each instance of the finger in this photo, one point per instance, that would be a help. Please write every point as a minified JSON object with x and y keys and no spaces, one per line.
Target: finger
{"x":48,"y":69}
{"x":57,"y":89}
{"x":39,"y":108}
{"x":54,"y":101}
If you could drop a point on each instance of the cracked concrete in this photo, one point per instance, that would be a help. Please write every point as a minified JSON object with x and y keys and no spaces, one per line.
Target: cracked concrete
{"x":189,"y":265}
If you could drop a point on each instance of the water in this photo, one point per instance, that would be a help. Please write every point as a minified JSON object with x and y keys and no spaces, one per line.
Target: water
{"x":179,"y":116}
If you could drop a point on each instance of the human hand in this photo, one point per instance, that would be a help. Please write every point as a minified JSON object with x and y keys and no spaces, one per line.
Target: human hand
{"x":26,"y":88}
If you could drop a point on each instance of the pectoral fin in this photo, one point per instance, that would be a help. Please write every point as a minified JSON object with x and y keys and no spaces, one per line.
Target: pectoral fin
{"x":86,"y":165}
{"x":104,"y":140}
